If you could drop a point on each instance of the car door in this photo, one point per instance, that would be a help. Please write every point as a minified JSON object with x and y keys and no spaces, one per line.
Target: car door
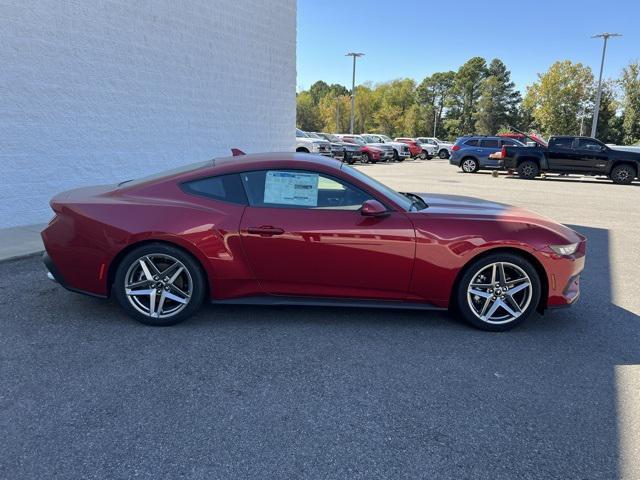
{"x":487,"y":147}
{"x":560,"y":153}
{"x":590,"y":156}
{"x":303,"y":234}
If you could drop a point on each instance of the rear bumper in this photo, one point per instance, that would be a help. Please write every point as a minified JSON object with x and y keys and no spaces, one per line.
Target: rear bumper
{"x":54,"y":275}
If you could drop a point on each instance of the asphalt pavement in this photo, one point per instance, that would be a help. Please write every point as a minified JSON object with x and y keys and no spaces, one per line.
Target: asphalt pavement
{"x":264,"y":392}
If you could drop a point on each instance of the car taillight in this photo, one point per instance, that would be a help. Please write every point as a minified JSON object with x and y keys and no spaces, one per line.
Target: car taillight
{"x":455,"y":148}
{"x":503,"y":152}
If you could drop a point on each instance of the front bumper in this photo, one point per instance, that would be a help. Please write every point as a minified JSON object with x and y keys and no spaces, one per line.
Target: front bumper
{"x":563,"y":276}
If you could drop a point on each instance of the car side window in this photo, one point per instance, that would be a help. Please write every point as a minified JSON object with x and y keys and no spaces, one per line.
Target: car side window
{"x":227,"y":188}
{"x":565,"y":143}
{"x":472,"y":143}
{"x":301,"y":189}
{"x":509,"y":143}
{"x":489,"y":143}
{"x":587,"y":144}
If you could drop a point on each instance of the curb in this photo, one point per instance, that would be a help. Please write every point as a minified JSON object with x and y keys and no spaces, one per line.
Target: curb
{"x":21,"y":256}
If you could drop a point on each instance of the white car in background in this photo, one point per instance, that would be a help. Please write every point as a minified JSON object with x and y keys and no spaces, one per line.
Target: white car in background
{"x":307,"y":144}
{"x":442,"y":149}
{"x":401,"y":150}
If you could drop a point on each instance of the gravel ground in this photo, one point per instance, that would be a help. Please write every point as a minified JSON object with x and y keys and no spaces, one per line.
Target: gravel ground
{"x":248,"y":392}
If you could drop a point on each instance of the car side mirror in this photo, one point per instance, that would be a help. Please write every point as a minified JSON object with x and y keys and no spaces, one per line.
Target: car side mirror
{"x":373,"y":208}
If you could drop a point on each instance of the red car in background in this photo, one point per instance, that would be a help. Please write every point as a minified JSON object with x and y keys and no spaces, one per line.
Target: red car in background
{"x":370,"y":154}
{"x":414,"y":147}
{"x":301,"y":229}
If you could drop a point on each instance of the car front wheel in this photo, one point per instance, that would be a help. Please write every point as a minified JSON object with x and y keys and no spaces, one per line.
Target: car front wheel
{"x":470,"y":165}
{"x":498,"y":292}
{"x":443,"y":154}
{"x":623,"y":174}
{"x":159,"y":285}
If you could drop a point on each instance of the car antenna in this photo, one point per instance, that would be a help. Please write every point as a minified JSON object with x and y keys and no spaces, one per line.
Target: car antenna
{"x":236,"y":152}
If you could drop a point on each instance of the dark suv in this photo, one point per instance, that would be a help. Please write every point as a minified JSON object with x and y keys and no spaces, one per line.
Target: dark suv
{"x":471,"y":153}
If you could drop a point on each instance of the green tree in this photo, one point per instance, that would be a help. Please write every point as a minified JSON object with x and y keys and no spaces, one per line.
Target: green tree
{"x":559,"y":98}
{"x":307,"y":117}
{"x":433,"y":93}
{"x":630,"y":83}
{"x":466,"y":92}
{"x":609,"y":121}
{"x":334,"y":112}
{"x":499,"y":100}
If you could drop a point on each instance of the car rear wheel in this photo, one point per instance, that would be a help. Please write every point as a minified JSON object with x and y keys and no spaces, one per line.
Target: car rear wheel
{"x":498,"y":292}
{"x":528,"y":170}
{"x":470,"y":165}
{"x":423,"y":155}
{"x":443,"y":154}
{"x":159,"y":285}
{"x":396,"y":155}
{"x":623,"y":174}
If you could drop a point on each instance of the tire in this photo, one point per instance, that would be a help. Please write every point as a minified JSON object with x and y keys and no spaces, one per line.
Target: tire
{"x":490,"y":307}
{"x":366,"y":158}
{"x":396,"y":156}
{"x":351,"y":161}
{"x":469,"y":165}
{"x":423,"y":155}
{"x":623,"y":174}
{"x":184,"y":281}
{"x":528,"y":170}
{"x":443,"y":154}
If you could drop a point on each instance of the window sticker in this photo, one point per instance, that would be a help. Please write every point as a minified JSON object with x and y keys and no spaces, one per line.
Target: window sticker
{"x":291,"y":188}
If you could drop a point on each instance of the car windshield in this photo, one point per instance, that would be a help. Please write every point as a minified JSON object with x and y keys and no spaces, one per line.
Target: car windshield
{"x":358,"y":140}
{"x":314,"y":135}
{"x":369,"y":139}
{"x":385,"y":138}
{"x":300,"y":133}
{"x":405,"y":202}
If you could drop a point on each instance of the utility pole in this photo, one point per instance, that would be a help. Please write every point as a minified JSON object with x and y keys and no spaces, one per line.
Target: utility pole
{"x":435,"y":119}
{"x":353,"y":87}
{"x":338,"y":114}
{"x":605,"y":36}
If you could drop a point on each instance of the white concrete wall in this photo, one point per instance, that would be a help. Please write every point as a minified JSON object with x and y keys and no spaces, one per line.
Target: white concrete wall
{"x":101,"y":91}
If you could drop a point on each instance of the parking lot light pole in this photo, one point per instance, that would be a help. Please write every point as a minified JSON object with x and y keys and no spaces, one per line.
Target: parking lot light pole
{"x":606,"y":36}
{"x":353,"y":87}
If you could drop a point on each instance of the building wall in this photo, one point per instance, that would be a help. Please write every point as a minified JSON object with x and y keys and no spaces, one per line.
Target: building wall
{"x":103,"y":91}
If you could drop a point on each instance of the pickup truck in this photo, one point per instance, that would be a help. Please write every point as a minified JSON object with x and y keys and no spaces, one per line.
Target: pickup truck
{"x":568,"y":154}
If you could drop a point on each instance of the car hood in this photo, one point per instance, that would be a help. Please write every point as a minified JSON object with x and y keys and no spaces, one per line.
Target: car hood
{"x":479,"y":209}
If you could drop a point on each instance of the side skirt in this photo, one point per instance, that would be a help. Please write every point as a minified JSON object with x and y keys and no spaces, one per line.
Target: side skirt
{"x":278,"y":300}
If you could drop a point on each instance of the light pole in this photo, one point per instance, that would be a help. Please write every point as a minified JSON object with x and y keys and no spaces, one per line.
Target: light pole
{"x":606,"y":35}
{"x":353,"y":87}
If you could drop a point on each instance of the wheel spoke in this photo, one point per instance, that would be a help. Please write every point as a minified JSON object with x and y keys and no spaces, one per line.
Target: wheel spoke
{"x":509,"y":310}
{"x":139,"y":292}
{"x":494,"y":269}
{"x":487,"y":302}
{"x":492,"y":310}
{"x":175,"y":276}
{"x":167,"y":271}
{"x":175,"y":298}
{"x":152,"y":266}
{"x":141,"y":283}
{"x":514,"y":304}
{"x":152,"y":303}
{"x":481,"y":285}
{"x":502,"y":275}
{"x":161,"y":302}
{"x":518,"y":288}
{"x":480,"y":293}
{"x":145,"y":269}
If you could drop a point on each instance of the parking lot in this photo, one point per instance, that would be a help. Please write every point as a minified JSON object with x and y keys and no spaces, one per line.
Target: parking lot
{"x":264,"y":392}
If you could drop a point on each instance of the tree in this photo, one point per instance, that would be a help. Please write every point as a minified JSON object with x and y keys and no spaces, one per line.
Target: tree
{"x":609,"y":122}
{"x":560,"y":97}
{"x":499,"y":100}
{"x":466,"y":91}
{"x":335,"y":113}
{"x":432,"y":94}
{"x":630,"y":83}
{"x":307,"y":117}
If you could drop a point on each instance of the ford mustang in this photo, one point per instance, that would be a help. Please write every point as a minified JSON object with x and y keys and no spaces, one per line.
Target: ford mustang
{"x":301,"y":229}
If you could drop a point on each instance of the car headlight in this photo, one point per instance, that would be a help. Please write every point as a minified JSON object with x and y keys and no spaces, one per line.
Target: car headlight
{"x":564,"y":249}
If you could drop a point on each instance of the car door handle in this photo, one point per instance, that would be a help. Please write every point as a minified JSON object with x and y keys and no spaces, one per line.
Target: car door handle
{"x":265,"y":230}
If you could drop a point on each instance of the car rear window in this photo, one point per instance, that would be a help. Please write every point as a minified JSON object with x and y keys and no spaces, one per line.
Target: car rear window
{"x":490,"y":143}
{"x":472,"y":142}
{"x":227,"y":188}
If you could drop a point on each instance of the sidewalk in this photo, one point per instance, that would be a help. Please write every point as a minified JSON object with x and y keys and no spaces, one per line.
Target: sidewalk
{"x":18,"y":242}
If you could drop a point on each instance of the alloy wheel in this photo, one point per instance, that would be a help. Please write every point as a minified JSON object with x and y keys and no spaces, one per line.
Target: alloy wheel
{"x":158,"y":285}
{"x":469,"y":165}
{"x":499,"y":293}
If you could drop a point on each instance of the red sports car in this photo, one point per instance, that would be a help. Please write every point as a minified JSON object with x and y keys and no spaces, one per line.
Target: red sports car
{"x":300,"y":229}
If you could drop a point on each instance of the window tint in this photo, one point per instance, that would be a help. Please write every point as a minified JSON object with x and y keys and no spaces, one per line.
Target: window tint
{"x":563,"y":142}
{"x":586,"y":144}
{"x":509,"y":142}
{"x":490,"y":143}
{"x":301,"y":189}
{"x":472,"y":143}
{"x":227,"y":188}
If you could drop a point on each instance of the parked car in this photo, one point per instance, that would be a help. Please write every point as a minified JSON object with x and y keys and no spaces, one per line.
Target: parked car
{"x":308,"y":144}
{"x":415,"y":147}
{"x":472,"y":153}
{"x":351,"y":153}
{"x":400,"y":150}
{"x":372,"y":152}
{"x":299,"y":229}
{"x":443,"y":149}
{"x":569,"y":154}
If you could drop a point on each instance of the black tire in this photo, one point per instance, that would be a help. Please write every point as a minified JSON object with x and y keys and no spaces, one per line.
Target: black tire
{"x":396,"y":156}
{"x":528,"y":170}
{"x":463,"y":300}
{"x":423,"y":155}
{"x":623,"y":174}
{"x":366,"y":158}
{"x":192,"y":271}
{"x":443,"y":154}
{"x":469,"y":165}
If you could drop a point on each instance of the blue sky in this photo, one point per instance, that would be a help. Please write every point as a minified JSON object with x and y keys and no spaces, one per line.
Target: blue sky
{"x":412,"y":38}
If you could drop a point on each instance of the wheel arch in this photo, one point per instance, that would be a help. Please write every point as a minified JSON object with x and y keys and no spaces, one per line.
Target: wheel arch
{"x":113,"y":265}
{"x":302,"y":150}
{"x":525,"y":158}
{"x":634,"y":165}
{"x":542,"y":273}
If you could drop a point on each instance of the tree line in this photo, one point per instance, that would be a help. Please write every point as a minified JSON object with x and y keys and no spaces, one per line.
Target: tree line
{"x":480,"y":98}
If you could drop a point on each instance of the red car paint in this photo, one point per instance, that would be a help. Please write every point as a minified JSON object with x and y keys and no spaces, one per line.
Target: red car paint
{"x":411,"y":256}
{"x":374,"y":153}
{"x":415,"y":148}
